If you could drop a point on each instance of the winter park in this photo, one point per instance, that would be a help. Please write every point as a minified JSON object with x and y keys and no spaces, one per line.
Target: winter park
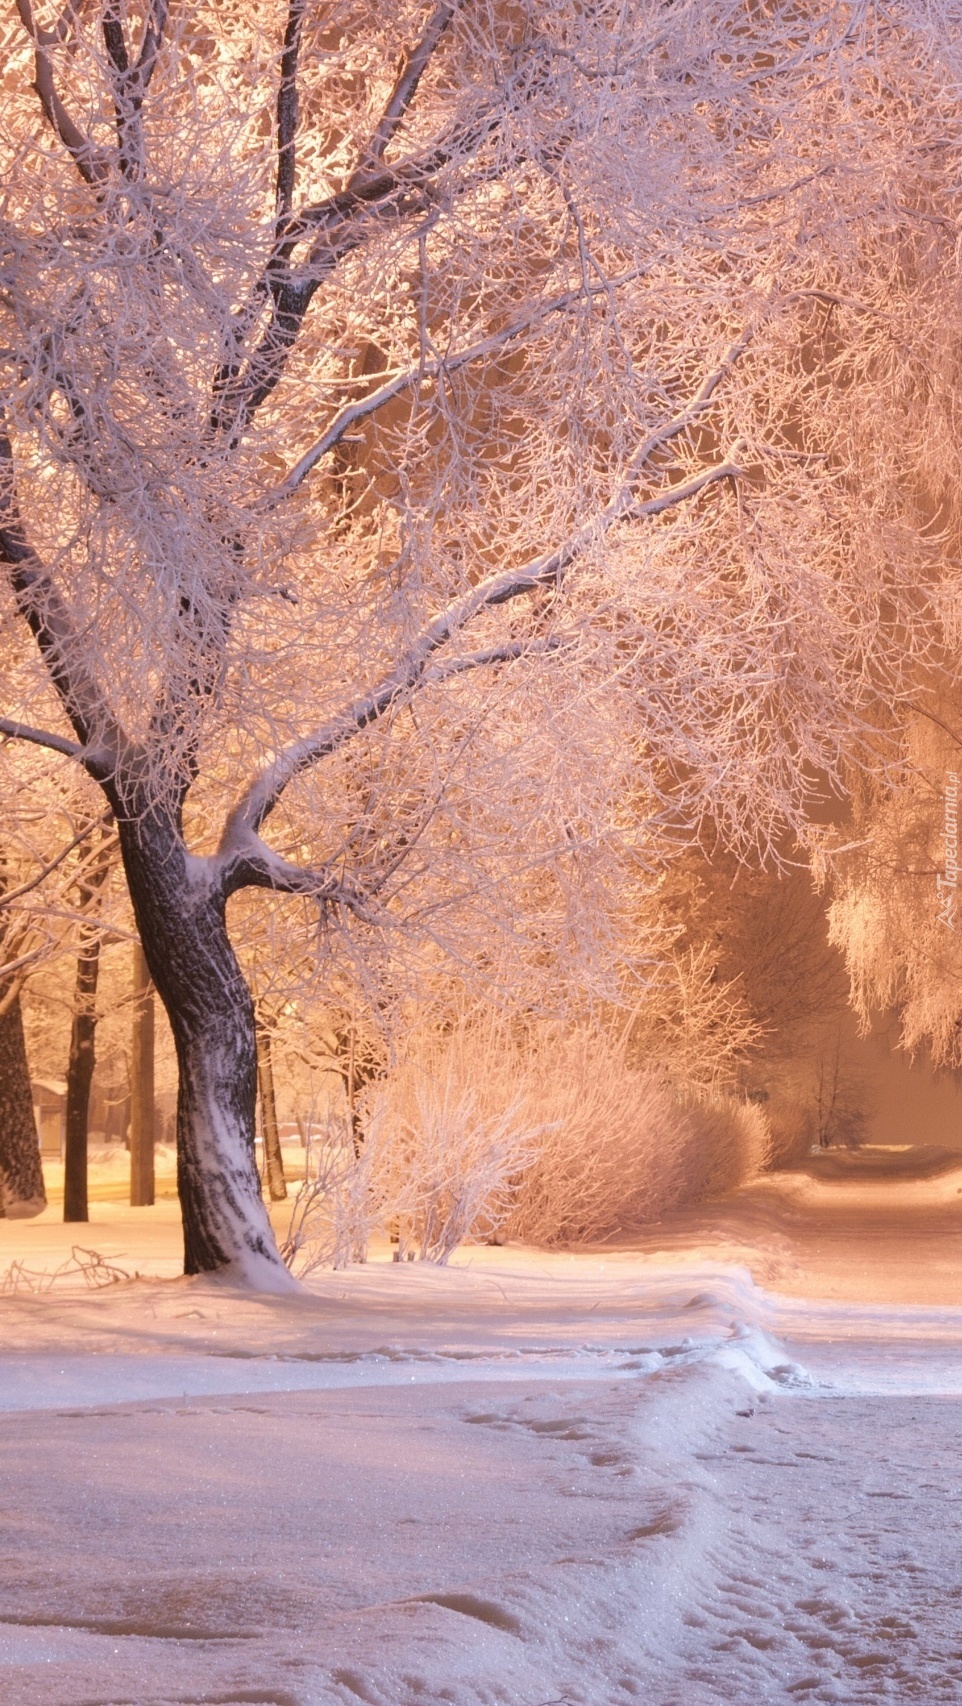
{"x":480,"y":948}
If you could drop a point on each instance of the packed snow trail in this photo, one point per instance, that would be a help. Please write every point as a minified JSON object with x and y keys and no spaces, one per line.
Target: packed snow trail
{"x":837,"y":1573}
{"x":470,"y":1543}
{"x":618,"y":1477}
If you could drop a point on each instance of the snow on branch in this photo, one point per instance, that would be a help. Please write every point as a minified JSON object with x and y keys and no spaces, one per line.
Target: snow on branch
{"x":9,"y":896}
{"x":412,"y":69}
{"x":41,"y":737}
{"x":92,"y":163}
{"x":353,"y":413}
{"x":264,"y":793}
{"x":52,"y":626}
{"x":333,"y":227}
{"x":253,"y":864}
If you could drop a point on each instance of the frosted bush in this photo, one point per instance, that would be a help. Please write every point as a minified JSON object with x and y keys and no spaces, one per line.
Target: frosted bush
{"x":331,"y":1216}
{"x":443,"y":1164}
{"x":621,"y":1147}
{"x":554,"y":1141}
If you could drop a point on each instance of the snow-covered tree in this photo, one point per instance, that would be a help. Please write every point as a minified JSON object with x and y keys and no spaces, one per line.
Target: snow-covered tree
{"x":895,"y":913}
{"x":428,"y":479}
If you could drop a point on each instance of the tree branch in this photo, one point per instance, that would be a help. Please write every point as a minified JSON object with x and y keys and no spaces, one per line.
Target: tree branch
{"x":254,"y":864}
{"x":46,"y":613}
{"x":510,"y":652}
{"x":342,"y":222}
{"x":132,"y":80}
{"x":352,"y":413}
{"x":42,"y":737}
{"x":151,"y":45}
{"x":385,"y":185}
{"x":18,"y":964}
{"x":412,"y":69}
{"x":115,"y":39}
{"x":262,"y":796}
{"x":930,"y":716}
{"x":92,"y":164}
{"x":246,"y":861}
{"x":287,"y":110}
{"x":8,"y":896}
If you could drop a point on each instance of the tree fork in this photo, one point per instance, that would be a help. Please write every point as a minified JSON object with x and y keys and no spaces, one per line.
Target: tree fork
{"x":180,"y":910}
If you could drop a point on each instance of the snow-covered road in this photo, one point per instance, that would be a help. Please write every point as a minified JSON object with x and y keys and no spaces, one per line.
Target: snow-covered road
{"x":640,"y":1475}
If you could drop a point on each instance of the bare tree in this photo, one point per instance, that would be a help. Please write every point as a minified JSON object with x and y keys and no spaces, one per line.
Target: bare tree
{"x":451,"y":478}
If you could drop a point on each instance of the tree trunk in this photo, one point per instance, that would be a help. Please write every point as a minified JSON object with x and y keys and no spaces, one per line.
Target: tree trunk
{"x":80,"y":1071}
{"x":142,"y":1087}
{"x":180,"y":913}
{"x":22,"y":1191}
{"x":273,"y":1158}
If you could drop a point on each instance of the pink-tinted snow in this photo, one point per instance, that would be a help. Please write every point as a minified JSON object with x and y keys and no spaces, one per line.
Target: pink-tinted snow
{"x":722,"y":1465}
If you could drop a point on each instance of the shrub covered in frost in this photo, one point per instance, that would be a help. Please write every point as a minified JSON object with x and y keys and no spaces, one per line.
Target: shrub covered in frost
{"x":621,"y":1147}
{"x":555,"y":1141}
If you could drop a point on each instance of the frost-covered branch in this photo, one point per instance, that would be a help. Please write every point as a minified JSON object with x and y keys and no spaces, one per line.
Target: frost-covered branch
{"x":54,"y":630}
{"x":251,"y":863}
{"x":352,"y":414}
{"x":9,"y":896}
{"x":412,"y":68}
{"x":92,"y":163}
{"x":501,"y":588}
{"x":42,"y":737}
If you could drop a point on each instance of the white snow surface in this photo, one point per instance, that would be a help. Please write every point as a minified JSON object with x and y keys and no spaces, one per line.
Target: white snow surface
{"x":721,"y":1464}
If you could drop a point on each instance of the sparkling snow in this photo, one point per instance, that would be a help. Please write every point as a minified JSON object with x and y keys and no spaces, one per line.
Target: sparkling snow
{"x":721,"y":1465}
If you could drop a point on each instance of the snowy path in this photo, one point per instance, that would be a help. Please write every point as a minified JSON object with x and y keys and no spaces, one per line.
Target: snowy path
{"x":618,"y":1478}
{"x":837,"y":1572}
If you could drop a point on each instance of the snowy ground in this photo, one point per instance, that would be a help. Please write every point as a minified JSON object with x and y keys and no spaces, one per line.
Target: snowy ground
{"x":724,"y":1465}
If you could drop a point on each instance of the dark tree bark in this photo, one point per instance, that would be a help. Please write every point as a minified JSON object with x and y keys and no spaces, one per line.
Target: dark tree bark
{"x":82,"y":1058}
{"x":180,"y":905}
{"x":80,"y":1071}
{"x":142,"y":1087}
{"x":22,"y":1192}
{"x":273,"y":1158}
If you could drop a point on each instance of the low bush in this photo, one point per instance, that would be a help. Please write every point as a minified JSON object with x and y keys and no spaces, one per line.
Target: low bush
{"x":554,"y":1140}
